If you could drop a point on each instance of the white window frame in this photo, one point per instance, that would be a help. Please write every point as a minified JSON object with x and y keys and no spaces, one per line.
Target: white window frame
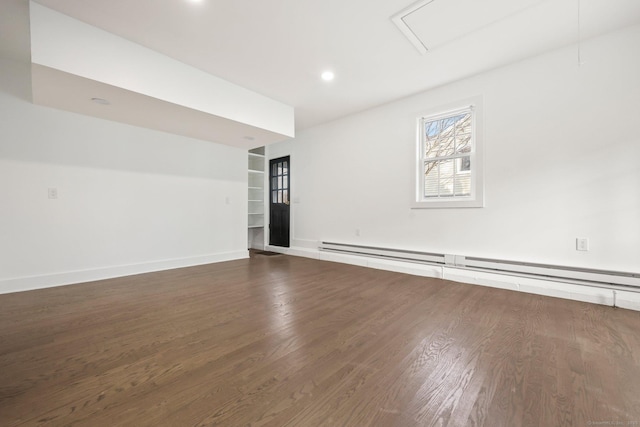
{"x":476,"y":198}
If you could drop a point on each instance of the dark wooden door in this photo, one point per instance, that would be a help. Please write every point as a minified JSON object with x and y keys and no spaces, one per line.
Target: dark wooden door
{"x":279,"y":184}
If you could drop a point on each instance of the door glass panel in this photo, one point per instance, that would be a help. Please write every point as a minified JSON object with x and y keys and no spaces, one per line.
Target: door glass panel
{"x":279,"y":182}
{"x":279,"y":168}
{"x":285,"y":196}
{"x":274,"y":183}
{"x":285,"y":182}
{"x":280,"y":196}
{"x":274,"y":197}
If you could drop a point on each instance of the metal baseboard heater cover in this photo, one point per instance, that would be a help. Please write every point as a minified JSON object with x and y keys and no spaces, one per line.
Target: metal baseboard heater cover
{"x":591,"y":277}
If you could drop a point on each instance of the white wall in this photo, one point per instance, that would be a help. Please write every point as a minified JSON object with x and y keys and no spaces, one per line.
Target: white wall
{"x":129,"y":199}
{"x":561,"y":161}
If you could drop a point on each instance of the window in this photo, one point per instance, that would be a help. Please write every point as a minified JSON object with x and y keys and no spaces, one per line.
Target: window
{"x":449,"y":161}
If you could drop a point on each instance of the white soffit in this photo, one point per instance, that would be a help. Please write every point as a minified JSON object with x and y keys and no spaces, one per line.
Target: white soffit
{"x":73,"y":62}
{"x":64,"y":91}
{"x":428,"y":24}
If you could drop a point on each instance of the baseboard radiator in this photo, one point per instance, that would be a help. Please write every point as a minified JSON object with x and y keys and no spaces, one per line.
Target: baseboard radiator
{"x":590,"y":277}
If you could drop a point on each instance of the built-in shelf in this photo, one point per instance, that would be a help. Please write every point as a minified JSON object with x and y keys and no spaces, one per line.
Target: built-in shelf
{"x":256,"y":169}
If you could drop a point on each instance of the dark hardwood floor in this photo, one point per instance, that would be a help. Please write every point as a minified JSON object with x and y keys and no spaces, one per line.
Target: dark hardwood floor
{"x":285,"y":341}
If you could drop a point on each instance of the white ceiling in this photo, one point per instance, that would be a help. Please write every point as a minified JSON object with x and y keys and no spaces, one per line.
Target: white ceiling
{"x":278,"y":48}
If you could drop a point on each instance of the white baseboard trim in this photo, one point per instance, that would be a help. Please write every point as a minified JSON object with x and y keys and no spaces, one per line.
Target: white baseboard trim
{"x":29,"y":283}
{"x":576,"y":292}
{"x":362,"y":261}
{"x":295,"y":251}
{"x":551,"y":288}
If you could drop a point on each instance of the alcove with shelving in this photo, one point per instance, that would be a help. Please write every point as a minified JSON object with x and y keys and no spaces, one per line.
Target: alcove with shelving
{"x":256,"y":170}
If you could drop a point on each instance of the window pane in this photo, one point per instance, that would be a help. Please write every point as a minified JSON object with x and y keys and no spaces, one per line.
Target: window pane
{"x":463,"y":143}
{"x":443,"y":178}
{"x":463,"y":124}
{"x":285,"y":182}
{"x":279,"y":168}
{"x":273,"y":169}
{"x":463,"y":185}
{"x":432,"y":129}
{"x":443,"y":137}
{"x":446,"y":178}
{"x":285,"y":168}
{"x":274,"y":183}
{"x":441,"y":146}
{"x":431,"y":179}
{"x":279,"y":182}
{"x":464,"y":164}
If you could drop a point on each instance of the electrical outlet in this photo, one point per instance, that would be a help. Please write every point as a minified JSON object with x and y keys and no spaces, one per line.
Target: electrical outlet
{"x":53,"y":193}
{"x":582,"y":244}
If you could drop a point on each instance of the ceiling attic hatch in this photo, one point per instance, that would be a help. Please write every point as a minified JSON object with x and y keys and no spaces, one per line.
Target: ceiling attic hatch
{"x":73,"y":62}
{"x":429,"y":24}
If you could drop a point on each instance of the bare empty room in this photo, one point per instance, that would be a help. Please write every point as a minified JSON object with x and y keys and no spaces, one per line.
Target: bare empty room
{"x":343,"y":213}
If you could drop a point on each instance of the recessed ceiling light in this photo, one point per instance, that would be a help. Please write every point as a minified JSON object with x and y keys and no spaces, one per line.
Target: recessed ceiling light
{"x":327,"y":76}
{"x":100,"y":101}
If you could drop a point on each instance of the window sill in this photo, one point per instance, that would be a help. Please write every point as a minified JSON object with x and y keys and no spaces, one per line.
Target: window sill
{"x":448,"y":204}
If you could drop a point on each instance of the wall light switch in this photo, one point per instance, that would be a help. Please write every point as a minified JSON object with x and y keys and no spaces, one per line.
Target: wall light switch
{"x":53,"y":193}
{"x":582,"y":244}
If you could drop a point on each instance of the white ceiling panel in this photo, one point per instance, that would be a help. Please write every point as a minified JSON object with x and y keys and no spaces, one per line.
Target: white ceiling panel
{"x":437,"y":22}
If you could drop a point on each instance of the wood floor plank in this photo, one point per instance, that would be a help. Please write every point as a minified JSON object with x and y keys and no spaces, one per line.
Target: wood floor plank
{"x":284,"y":341}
